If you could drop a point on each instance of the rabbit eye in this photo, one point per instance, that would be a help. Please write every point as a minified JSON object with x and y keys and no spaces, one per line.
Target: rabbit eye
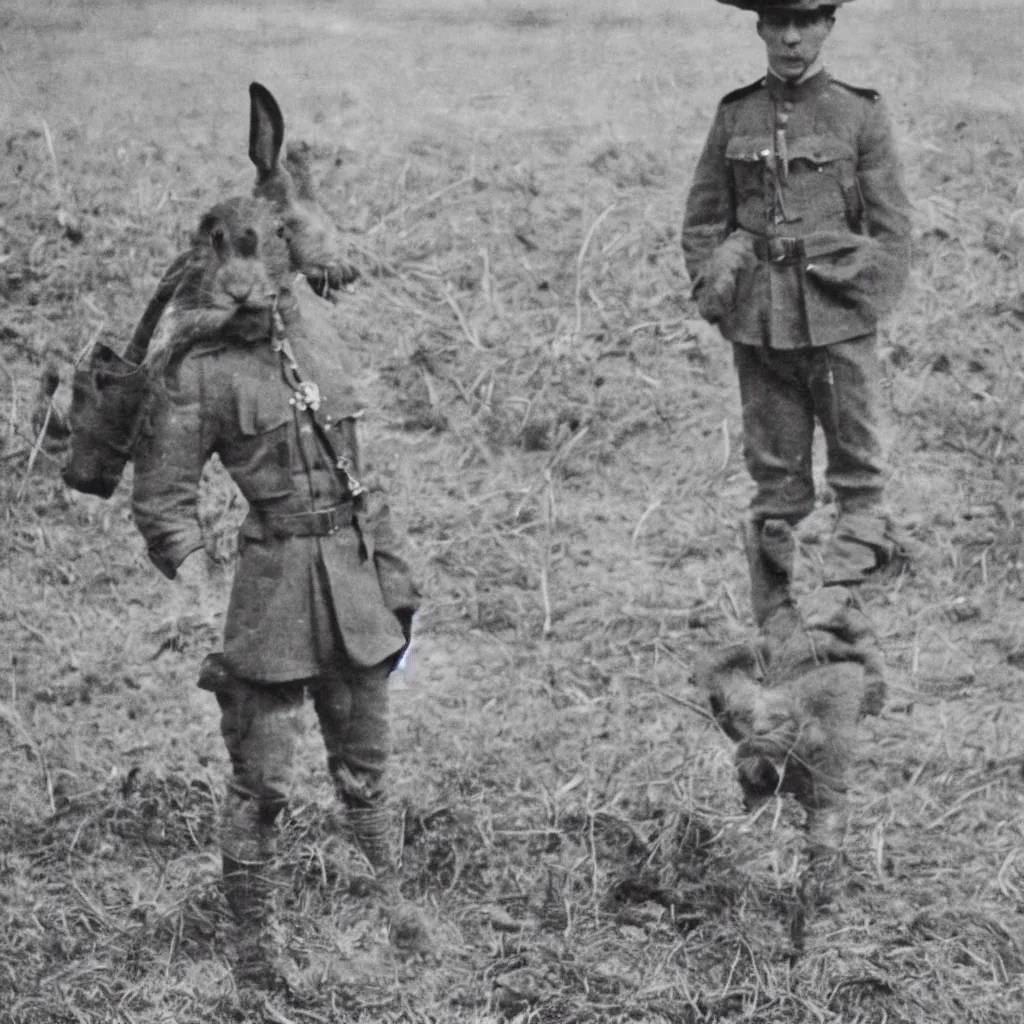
{"x":280,"y":231}
{"x":217,"y":237}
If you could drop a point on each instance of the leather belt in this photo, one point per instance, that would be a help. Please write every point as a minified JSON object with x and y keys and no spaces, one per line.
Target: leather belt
{"x":314,"y":523}
{"x":787,"y":251}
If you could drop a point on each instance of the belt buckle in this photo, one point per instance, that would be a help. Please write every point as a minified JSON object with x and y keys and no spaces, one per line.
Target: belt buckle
{"x":789,"y":250}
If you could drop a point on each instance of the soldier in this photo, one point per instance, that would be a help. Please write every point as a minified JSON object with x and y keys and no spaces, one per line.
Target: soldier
{"x":321,"y":602}
{"x":797,"y":240}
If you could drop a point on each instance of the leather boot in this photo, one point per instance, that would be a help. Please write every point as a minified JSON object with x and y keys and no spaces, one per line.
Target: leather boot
{"x":372,"y":829}
{"x":247,"y":847}
{"x":259,"y":960}
{"x":861,"y":544}
{"x":826,"y":868}
{"x":770,"y":551}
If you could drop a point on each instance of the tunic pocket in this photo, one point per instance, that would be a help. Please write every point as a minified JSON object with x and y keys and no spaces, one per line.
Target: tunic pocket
{"x":260,"y":460}
{"x":746,"y":157}
{"x":823,"y":181}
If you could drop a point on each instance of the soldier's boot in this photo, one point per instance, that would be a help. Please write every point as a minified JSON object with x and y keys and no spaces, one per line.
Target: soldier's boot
{"x":373,"y":829}
{"x":259,"y":957}
{"x":247,"y":845}
{"x":862,"y":543}
{"x":770,"y":552}
{"x":826,"y":862}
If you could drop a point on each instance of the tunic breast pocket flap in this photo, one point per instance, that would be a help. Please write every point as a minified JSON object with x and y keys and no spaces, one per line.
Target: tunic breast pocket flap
{"x":746,"y":157}
{"x":824,"y":179}
{"x":263,"y":408}
{"x":824,"y":154}
{"x":261,"y":460}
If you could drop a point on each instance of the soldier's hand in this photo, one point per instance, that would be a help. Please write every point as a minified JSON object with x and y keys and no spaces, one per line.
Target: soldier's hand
{"x":710,"y":304}
{"x":718,"y":292}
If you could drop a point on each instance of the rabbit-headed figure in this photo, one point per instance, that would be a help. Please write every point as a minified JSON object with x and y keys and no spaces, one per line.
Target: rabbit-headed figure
{"x":244,"y":365}
{"x":107,"y":392}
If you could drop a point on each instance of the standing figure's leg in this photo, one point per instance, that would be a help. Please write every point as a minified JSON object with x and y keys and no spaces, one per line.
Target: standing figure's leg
{"x":778,"y":431}
{"x":778,"y":434}
{"x":353,"y":705}
{"x":845,"y":385}
{"x":260,"y":724}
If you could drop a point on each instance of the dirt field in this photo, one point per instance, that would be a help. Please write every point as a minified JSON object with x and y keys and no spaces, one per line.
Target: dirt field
{"x":562,"y":440}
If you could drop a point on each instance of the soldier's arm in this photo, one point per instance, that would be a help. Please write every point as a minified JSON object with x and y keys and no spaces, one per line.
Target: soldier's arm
{"x":886,"y":206}
{"x":169,"y":457}
{"x":709,"y":216}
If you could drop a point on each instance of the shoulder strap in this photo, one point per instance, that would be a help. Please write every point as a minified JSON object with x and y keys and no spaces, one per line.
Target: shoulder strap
{"x":745,"y":90}
{"x":872,"y":95}
{"x":306,"y":398}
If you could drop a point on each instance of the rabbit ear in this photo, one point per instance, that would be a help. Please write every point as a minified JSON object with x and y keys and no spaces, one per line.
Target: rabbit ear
{"x":266,"y":130}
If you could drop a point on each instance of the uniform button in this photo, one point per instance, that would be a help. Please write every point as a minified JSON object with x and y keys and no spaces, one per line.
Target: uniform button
{"x":787,"y":106}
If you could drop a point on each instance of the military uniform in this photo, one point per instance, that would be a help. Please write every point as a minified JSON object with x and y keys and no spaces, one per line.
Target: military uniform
{"x":322,"y":599}
{"x":800,"y":188}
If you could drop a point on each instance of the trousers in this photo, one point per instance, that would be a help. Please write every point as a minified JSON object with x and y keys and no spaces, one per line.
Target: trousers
{"x":261,"y":726}
{"x":783,"y":393}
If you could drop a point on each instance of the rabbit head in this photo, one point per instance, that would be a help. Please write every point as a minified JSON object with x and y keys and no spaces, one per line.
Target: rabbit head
{"x":239,"y":266}
{"x":314,"y":243}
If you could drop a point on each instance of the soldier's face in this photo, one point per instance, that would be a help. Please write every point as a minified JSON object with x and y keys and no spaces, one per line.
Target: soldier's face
{"x":793,"y":40}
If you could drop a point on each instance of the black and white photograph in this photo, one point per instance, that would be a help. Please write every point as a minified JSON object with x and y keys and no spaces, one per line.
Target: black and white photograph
{"x":511,"y":512}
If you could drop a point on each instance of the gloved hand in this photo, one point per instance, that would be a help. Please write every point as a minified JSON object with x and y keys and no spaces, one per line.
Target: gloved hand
{"x":405,"y":619}
{"x":717,"y":291}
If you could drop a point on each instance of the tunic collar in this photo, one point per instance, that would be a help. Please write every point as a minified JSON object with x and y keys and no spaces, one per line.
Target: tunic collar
{"x":794,"y":92}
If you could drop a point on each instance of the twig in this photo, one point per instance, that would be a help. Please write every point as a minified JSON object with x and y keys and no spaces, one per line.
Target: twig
{"x":33,"y":455}
{"x":545,"y":564}
{"x":433,"y":197}
{"x":652,"y":508}
{"x":37,"y":633}
{"x":961,"y":804}
{"x":689,"y":705}
{"x":580,"y":258}
{"x":275,"y":1015}
{"x":593,"y":868}
{"x":13,"y":414}
{"x":53,"y":153}
{"x":460,"y":316}
{"x":13,"y":719}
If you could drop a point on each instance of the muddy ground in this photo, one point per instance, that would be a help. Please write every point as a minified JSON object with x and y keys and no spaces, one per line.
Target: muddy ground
{"x":561,"y":438}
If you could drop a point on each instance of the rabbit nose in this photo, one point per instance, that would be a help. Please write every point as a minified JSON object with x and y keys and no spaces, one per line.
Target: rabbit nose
{"x":239,"y":291}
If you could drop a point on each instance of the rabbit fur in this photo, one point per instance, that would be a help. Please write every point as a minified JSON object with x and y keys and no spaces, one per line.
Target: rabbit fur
{"x":792,"y":704}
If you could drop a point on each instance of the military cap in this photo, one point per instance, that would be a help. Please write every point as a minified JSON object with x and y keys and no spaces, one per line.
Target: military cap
{"x":783,"y":5}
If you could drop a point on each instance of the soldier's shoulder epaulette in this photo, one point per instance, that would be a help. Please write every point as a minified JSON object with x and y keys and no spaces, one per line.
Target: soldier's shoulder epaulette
{"x":872,"y":95}
{"x":745,"y":90}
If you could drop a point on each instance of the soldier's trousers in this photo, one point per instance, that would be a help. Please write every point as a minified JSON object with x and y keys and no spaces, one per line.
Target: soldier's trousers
{"x":261,"y":726}
{"x":783,"y":393}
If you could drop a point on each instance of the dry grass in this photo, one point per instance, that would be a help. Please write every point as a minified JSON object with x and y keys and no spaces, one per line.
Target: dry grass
{"x":563,"y":443}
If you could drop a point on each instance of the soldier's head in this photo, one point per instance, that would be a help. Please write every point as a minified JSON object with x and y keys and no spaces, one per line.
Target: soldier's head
{"x":794,"y":31}
{"x":794,"y":36}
